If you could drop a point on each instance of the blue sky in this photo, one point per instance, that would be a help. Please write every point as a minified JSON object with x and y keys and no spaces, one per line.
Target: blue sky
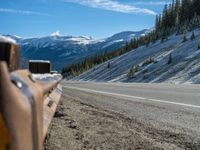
{"x":97,"y":18}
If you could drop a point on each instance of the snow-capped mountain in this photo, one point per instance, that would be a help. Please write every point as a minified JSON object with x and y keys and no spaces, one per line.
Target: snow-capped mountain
{"x":183,"y":68}
{"x":128,"y":35}
{"x":66,"y":50}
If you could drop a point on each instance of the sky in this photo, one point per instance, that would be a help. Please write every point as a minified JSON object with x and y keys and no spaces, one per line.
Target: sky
{"x":96,"y":18}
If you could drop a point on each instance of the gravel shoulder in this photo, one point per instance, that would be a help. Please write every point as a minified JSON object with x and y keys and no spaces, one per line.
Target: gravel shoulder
{"x":79,"y":125}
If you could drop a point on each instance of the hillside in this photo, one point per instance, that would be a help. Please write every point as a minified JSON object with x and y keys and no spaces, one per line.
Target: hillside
{"x":183,"y":68}
{"x":63,"y":51}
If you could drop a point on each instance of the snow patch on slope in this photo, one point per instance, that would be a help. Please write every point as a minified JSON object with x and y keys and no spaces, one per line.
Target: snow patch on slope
{"x":111,"y":43}
{"x":57,"y":33}
{"x":185,"y":66}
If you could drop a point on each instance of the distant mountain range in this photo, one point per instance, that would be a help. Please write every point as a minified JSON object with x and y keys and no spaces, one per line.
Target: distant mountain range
{"x":63,"y":51}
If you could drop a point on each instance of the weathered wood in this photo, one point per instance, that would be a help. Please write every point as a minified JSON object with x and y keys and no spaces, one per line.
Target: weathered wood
{"x":27,"y":106}
{"x":9,"y":53}
{"x":50,"y":105}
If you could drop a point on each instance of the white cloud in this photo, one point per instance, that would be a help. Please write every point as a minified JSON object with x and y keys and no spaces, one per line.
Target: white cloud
{"x":57,"y":33}
{"x":26,"y":12}
{"x":113,"y":5}
{"x":150,"y":3}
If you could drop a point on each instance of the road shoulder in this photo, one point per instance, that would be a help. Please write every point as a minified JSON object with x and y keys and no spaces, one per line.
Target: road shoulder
{"x":77,"y":125}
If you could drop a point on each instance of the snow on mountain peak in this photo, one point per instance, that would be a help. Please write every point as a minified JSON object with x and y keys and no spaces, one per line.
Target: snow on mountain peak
{"x":64,"y":50}
{"x":128,"y":35}
{"x":57,"y":33}
{"x":83,"y":40}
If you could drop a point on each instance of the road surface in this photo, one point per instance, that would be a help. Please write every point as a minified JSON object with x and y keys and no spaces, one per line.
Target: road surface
{"x":168,"y":114}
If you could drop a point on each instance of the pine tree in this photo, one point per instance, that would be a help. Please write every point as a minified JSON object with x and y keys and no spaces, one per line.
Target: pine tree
{"x":109,"y":65}
{"x":165,"y":18}
{"x":130,"y":73}
{"x":192,"y":36}
{"x":185,"y":13}
{"x":170,"y":59}
{"x":196,"y":6}
{"x":184,"y":38}
{"x":158,"y":22}
{"x":177,"y":13}
{"x":126,"y":46}
{"x":198,"y":46}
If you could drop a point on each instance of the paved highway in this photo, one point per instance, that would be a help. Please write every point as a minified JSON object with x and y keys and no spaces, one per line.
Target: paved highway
{"x":167,"y":107}
{"x":186,"y":95}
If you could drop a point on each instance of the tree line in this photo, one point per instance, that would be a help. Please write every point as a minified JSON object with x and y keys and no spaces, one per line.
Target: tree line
{"x":178,"y":17}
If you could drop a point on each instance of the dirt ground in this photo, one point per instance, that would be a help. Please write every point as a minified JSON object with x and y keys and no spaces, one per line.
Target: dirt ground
{"x":79,"y":126}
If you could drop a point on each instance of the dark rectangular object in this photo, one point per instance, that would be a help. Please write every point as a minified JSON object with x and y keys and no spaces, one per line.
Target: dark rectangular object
{"x":39,"y":67}
{"x":9,"y":52}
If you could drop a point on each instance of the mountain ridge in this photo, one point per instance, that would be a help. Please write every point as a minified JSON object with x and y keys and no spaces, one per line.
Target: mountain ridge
{"x":65,"y":50}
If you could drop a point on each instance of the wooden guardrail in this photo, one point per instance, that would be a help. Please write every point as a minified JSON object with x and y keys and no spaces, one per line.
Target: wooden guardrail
{"x":27,"y":106}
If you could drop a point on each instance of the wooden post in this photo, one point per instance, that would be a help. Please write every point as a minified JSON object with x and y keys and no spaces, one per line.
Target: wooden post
{"x":9,"y":53}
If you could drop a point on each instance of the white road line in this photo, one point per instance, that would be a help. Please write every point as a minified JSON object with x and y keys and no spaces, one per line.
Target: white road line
{"x":132,"y":97}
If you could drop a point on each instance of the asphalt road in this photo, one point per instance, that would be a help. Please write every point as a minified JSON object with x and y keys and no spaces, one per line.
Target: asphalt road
{"x":167,"y":107}
{"x":183,"y":94}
